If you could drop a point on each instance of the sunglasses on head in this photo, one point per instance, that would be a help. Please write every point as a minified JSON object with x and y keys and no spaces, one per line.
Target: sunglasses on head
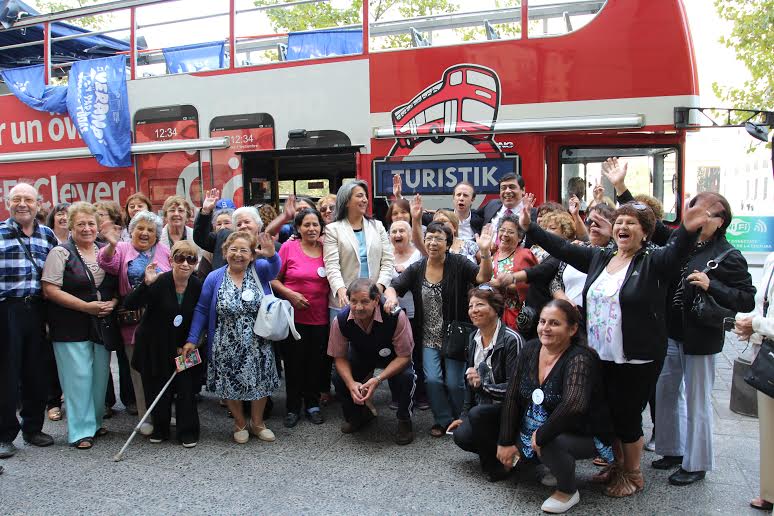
{"x":485,"y":286}
{"x":180,"y":258}
{"x":638,"y":206}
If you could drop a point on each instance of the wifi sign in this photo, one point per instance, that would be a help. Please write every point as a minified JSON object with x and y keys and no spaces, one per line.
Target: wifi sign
{"x":751,"y":234}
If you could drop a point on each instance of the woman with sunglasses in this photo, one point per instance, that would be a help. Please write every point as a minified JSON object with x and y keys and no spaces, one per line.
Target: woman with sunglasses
{"x":169,"y":299}
{"x":684,"y":389}
{"x":624,"y":294}
{"x":327,"y":207}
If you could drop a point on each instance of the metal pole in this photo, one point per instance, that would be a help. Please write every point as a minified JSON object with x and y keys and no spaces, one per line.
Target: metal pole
{"x":133,"y":43}
{"x":46,"y":52}
{"x":231,"y":34}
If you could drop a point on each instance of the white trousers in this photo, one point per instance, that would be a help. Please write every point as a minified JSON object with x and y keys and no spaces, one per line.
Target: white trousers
{"x":684,"y":408}
{"x":766,"y":421}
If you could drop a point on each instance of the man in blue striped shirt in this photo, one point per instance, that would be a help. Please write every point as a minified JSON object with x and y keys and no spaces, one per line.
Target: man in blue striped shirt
{"x":24,"y":246}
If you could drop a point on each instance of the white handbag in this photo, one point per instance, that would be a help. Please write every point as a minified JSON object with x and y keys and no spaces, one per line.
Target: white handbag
{"x":275,"y":316}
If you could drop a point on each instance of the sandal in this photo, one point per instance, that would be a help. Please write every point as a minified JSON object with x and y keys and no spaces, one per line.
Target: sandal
{"x":608,"y":474}
{"x":101,"y":432}
{"x":599,"y":461}
{"x":761,"y":504}
{"x":55,"y":414}
{"x":627,"y":483}
{"x":83,"y":444}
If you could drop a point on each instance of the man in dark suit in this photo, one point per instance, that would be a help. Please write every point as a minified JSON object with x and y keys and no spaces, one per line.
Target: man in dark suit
{"x":510,"y":203}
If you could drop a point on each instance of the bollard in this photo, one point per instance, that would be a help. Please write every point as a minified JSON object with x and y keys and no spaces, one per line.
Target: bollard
{"x":744,"y":399}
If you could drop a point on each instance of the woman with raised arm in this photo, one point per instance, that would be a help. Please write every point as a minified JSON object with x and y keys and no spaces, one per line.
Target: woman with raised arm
{"x":241,"y":364}
{"x":626,"y":291}
{"x":438,"y":284}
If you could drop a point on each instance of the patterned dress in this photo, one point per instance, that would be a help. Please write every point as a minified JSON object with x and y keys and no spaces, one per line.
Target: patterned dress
{"x":242,"y":366}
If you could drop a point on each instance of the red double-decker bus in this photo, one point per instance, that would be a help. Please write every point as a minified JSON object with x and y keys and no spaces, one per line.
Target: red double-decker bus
{"x":547,"y":91}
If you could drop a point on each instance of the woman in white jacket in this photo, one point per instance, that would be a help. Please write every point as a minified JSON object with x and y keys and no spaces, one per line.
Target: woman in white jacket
{"x":755,"y":327}
{"x":356,"y":246}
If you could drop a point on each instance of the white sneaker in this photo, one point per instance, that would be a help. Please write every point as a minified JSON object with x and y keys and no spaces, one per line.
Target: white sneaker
{"x":554,"y":506}
{"x":146,"y":429}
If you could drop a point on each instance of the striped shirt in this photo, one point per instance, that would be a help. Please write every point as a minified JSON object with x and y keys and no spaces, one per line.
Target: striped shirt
{"x":18,"y":276}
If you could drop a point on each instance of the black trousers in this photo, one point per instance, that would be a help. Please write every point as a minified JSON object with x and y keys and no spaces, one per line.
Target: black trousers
{"x":22,"y":363}
{"x":184,"y":388}
{"x":560,"y":454}
{"x":420,"y":393}
{"x":479,"y":432}
{"x":362,"y":367}
{"x":303,"y":360}
{"x":125,"y":385}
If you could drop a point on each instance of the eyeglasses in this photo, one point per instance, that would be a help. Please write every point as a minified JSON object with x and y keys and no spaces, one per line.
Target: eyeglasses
{"x":180,"y":258}
{"x":239,"y":250}
{"x":436,"y":239}
{"x":326,"y":207}
{"x":509,"y":232}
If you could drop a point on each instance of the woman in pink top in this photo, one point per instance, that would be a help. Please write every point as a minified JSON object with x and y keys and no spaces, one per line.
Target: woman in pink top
{"x":128,"y":261}
{"x":303,"y":282}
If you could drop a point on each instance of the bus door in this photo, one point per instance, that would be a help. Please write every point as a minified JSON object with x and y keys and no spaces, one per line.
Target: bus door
{"x":271,"y":176}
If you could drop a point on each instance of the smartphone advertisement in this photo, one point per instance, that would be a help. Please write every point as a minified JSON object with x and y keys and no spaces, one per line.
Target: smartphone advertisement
{"x":247,"y":132}
{"x":168,"y":173}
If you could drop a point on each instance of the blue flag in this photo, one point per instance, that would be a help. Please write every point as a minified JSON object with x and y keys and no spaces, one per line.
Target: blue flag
{"x":28,"y":85}
{"x":195,"y":58}
{"x":99,"y":106}
{"x":324,"y":43}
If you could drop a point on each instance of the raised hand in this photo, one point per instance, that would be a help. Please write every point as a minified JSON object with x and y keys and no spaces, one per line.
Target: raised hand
{"x":615,"y":173}
{"x":209,"y":201}
{"x":397,"y":186}
{"x":525,"y":218}
{"x":150,"y":273}
{"x":265,"y":246}
{"x":110,"y":232}
{"x":704,"y":208}
{"x":599,"y":191}
{"x":290,"y":207}
{"x":573,"y":205}
{"x":416,"y":207}
{"x":485,"y":239}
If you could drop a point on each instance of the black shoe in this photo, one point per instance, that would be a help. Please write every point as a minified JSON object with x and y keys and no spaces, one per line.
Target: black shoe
{"x":38,"y":439}
{"x":7,"y":449}
{"x":157,"y":438}
{"x":108,"y":413}
{"x":497,"y":473}
{"x":405,"y":433}
{"x":291,"y":420}
{"x":667,"y":462}
{"x":132,"y":409}
{"x":315,"y":417}
{"x":350,"y":427}
{"x":685,"y":478}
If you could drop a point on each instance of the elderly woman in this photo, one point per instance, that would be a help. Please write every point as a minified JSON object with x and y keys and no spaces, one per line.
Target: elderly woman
{"x":326,"y":205}
{"x":437,"y":284}
{"x":241,"y":364}
{"x":626,"y":291}
{"x":554,"y":410}
{"x":491,"y":360}
{"x":356,"y":246}
{"x":135,"y":203}
{"x":177,"y":212}
{"x":757,"y":327}
{"x":302,"y":281}
{"x":684,"y":390}
{"x":169,"y":300}
{"x":78,"y":289}
{"x":466,"y":248}
{"x":128,"y":261}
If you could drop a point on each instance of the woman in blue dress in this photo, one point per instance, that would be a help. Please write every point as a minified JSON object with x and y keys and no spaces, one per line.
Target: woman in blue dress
{"x":242,"y":365}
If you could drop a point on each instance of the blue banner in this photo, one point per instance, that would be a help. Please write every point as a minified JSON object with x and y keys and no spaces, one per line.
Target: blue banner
{"x":439,"y":177}
{"x":28,"y":85}
{"x":195,"y":58}
{"x":752,"y":234}
{"x":324,"y":43}
{"x":99,"y":106}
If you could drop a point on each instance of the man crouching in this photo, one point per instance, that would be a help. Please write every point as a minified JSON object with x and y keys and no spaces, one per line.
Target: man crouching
{"x":365,"y":337}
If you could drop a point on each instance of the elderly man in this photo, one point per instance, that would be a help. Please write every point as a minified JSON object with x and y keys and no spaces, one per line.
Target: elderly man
{"x":24,"y":246}
{"x":365,"y":337}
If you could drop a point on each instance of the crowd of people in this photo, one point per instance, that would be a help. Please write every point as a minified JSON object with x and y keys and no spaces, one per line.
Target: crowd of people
{"x":536,"y":335}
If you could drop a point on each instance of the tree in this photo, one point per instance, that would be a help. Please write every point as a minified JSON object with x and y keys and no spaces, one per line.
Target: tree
{"x":87,"y":22}
{"x":752,"y":38}
{"x":323,"y":14}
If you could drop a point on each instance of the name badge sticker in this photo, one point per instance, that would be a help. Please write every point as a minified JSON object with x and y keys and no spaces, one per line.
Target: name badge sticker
{"x":538,"y":397}
{"x":248,"y":295}
{"x":177,"y":321}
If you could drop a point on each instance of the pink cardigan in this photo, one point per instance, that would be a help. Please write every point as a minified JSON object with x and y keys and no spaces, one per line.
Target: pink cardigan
{"x":118,"y":265}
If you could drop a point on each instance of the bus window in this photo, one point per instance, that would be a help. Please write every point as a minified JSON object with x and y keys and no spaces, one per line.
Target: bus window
{"x":650,"y":170}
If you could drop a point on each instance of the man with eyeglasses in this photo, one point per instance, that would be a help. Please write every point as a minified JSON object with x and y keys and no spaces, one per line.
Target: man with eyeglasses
{"x":365,"y":337}
{"x":24,"y":246}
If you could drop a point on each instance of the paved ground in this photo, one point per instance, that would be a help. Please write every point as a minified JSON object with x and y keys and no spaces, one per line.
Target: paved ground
{"x":315,"y":469}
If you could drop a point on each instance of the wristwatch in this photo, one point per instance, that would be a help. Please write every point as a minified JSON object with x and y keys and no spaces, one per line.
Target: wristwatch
{"x":378,"y":378}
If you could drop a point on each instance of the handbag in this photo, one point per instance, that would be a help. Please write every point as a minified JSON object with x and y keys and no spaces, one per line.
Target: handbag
{"x":704,"y":309}
{"x":129,"y":317}
{"x":761,"y":373}
{"x":275,"y":318}
{"x":456,"y":335}
{"x":105,"y":328}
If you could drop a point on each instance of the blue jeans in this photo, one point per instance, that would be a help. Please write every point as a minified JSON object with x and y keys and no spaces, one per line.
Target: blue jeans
{"x":445,"y":392}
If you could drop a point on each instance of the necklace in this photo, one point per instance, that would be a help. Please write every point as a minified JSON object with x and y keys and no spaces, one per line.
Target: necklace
{"x":93,"y":266}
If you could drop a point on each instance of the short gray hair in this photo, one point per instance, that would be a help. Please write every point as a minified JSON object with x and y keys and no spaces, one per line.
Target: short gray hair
{"x":146,"y":216}
{"x":247,"y":210}
{"x":223,"y":211}
{"x":345,"y":194}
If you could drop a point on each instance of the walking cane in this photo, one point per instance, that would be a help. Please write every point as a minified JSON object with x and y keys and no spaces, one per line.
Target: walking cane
{"x":120,"y":454}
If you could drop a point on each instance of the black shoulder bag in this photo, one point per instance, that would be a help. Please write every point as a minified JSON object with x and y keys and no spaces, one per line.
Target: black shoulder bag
{"x":106,"y":328}
{"x":761,"y":373}
{"x":457,"y":333}
{"x":704,"y":309}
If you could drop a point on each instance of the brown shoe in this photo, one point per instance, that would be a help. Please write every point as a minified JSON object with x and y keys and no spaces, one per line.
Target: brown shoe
{"x":405,"y":433}
{"x":437,"y":431}
{"x":626,"y":484}
{"x":607,"y":474}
